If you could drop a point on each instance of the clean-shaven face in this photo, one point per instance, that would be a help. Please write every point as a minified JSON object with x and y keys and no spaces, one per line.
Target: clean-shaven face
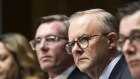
{"x":54,"y":56}
{"x":131,"y":51}
{"x":90,"y":58}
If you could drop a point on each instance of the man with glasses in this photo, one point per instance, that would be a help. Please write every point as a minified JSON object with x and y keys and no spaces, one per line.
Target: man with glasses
{"x":49,"y":44}
{"x":92,"y":42}
{"x":129,"y":41}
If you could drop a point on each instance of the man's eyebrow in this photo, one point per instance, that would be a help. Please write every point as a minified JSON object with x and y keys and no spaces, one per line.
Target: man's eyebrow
{"x":37,"y":37}
{"x":50,"y":35}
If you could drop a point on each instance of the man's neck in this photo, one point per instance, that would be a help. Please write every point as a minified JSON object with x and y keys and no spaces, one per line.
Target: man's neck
{"x":96,"y":72}
{"x":56,"y":72}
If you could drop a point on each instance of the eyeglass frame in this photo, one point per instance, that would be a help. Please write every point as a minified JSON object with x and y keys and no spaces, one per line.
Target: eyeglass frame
{"x":57,"y":38}
{"x":76,"y":42}
{"x":132,"y":38}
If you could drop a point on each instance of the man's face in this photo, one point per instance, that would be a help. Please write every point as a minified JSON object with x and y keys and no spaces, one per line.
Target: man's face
{"x":51,"y":54}
{"x":90,"y":58}
{"x":130,"y":26}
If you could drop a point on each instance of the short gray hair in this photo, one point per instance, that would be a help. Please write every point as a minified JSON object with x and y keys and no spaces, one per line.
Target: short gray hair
{"x":108,"y":22}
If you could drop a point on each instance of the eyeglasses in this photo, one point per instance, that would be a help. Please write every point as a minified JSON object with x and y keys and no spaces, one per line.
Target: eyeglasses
{"x":49,"y":41}
{"x":82,"y":42}
{"x":134,"y":38}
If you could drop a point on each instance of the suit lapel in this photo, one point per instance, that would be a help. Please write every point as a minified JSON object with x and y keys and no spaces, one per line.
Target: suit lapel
{"x":120,"y":70}
{"x":77,"y":74}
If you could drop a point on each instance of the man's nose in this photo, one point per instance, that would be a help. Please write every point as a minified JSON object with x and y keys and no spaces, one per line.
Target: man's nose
{"x":129,"y":48}
{"x":76,"y":48}
{"x":43,"y":45}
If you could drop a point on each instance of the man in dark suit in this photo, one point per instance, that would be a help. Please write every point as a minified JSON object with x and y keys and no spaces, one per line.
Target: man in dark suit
{"x":92,"y":42}
{"x":128,"y":17}
{"x":50,"y":39}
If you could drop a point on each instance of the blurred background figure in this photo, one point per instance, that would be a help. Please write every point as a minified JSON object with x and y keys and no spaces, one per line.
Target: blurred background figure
{"x":17,"y":60}
{"x":129,"y":41}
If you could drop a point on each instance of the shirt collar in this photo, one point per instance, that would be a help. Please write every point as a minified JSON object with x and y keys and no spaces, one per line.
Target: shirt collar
{"x":107,"y":71}
{"x":66,"y":73}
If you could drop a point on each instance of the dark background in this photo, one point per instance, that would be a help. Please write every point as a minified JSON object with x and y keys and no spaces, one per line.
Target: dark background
{"x":20,"y":15}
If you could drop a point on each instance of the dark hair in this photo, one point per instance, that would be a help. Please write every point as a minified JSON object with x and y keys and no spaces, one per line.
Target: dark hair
{"x":51,"y":18}
{"x":127,"y":9}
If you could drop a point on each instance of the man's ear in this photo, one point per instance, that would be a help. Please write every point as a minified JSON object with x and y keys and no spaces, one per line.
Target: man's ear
{"x":112,"y":37}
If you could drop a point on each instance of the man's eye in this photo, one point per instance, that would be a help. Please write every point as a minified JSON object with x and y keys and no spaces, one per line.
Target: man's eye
{"x":122,"y":38}
{"x":136,"y":37}
{"x":37,"y":41}
{"x":83,"y":39}
{"x":51,"y":39}
{"x":72,"y":44}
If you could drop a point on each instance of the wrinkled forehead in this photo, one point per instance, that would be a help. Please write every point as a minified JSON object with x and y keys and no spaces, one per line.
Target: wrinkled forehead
{"x":87,"y":24}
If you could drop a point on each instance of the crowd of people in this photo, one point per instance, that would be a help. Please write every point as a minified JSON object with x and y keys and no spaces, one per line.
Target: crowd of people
{"x":90,"y":44}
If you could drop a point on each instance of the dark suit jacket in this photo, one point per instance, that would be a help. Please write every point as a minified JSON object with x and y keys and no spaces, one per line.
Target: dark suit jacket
{"x":121,"y":70}
{"x":76,"y":74}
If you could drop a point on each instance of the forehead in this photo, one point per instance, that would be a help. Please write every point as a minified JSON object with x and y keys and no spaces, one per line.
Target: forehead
{"x":130,"y":23}
{"x":86,"y":24}
{"x":1,"y":46}
{"x":52,"y":28}
{"x":3,"y":50}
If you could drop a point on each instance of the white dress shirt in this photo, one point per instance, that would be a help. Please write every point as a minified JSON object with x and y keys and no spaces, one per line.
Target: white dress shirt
{"x":107,"y":71}
{"x":66,"y":73}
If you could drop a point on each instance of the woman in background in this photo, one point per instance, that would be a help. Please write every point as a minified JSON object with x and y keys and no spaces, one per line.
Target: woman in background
{"x":17,"y":60}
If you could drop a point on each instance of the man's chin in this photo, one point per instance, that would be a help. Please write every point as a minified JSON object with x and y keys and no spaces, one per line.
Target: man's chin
{"x":135,"y":73}
{"x":136,"y":76}
{"x":46,"y":67}
{"x":82,"y":68}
